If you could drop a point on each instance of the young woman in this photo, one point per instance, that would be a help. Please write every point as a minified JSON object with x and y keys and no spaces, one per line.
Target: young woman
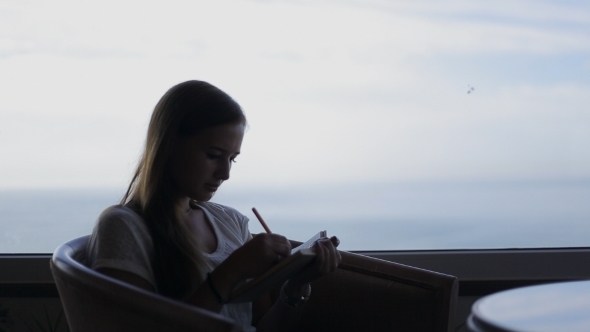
{"x":167,"y":237}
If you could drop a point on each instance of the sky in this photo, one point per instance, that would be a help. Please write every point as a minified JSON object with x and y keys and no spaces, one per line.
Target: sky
{"x":334,"y":91}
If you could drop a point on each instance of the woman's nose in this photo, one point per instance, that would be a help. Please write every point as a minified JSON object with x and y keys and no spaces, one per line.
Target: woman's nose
{"x":223,"y":170}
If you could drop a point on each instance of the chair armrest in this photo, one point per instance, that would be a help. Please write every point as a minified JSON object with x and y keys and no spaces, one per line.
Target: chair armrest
{"x":369,"y":294}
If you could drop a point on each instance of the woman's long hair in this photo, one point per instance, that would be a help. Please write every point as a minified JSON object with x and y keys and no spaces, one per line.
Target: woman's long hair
{"x":185,"y":110}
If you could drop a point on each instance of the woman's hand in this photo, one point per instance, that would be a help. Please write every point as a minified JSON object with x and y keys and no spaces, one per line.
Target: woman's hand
{"x":327,"y":260}
{"x":258,"y":255}
{"x":282,"y":316}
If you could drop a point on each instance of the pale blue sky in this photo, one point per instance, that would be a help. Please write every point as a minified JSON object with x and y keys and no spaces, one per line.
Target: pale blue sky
{"x":335,"y":91}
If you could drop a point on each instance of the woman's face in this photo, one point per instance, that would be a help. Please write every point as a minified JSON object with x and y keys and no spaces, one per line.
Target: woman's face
{"x":200,"y":163}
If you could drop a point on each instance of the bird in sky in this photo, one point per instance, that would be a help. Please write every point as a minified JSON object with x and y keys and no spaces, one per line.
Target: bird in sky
{"x":470,"y":89}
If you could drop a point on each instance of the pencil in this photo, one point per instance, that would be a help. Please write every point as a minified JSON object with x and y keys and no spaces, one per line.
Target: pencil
{"x":264,"y":225}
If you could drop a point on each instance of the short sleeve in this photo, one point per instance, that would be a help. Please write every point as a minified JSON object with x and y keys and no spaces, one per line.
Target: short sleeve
{"x":121,"y":240}
{"x":244,"y":225}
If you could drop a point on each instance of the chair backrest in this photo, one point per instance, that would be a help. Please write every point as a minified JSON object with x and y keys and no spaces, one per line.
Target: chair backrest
{"x":369,"y":294}
{"x":95,"y":302}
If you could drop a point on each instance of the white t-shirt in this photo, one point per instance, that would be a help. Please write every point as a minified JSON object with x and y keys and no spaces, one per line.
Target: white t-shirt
{"x":122,"y":241}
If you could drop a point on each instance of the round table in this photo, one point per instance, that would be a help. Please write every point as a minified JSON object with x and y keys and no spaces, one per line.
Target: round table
{"x":563,"y":306}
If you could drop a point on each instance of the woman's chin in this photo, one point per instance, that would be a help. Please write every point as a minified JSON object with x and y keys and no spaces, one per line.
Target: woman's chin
{"x":203,"y":197}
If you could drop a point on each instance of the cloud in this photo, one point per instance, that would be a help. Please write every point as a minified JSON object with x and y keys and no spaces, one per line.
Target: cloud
{"x":12,"y":47}
{"x":523,"y":11}
{"x":333,"y":91}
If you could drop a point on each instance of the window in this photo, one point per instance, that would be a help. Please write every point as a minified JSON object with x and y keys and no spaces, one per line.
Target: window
{"x":395,"y":125}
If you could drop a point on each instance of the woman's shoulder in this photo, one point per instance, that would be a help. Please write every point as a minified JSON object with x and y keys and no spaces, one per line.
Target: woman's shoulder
{"x":120,"y":216}
{"x":118,"y":212}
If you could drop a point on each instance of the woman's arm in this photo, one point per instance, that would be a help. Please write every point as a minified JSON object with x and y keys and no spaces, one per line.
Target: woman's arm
{"x":204,"y":296}
{"x":250,"y":260}
{"x":283,"y":316}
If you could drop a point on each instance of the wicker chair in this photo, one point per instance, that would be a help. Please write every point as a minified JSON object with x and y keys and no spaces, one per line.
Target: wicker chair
{"x":95,"y":302}
{"x":364,"y":294}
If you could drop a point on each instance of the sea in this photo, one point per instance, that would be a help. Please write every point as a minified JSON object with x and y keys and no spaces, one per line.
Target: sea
{"x":372,"y":217}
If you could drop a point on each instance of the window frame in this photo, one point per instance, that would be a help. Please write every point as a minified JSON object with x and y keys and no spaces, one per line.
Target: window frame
{"x":479,"y":271}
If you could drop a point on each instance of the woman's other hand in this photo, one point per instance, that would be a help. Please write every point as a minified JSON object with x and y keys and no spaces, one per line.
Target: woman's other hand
{"x":281,"y":316}
{"x":327,"y":260}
